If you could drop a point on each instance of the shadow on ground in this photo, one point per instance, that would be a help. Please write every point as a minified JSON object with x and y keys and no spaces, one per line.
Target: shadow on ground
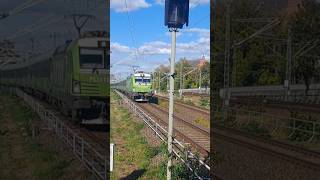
{"x":134,"y":175}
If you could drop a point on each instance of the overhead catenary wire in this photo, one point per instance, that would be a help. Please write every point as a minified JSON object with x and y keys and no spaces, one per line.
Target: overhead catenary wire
{"x":35,"y":26}
{"x":50,"y":20}
{"x":131,"y":25}
{"x":44,"y":22}
{"x":24,"y":6}
{"x":137,"y":51}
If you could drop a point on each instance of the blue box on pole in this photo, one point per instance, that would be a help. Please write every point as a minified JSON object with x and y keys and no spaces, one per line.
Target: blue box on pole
{"x":176,"y":13}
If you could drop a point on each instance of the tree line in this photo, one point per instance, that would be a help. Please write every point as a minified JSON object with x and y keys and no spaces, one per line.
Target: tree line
{"x":262,"y":60}
{"x":188,"y":74}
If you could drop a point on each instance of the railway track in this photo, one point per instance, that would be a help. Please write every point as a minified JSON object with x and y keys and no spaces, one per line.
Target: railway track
{"x":193,"y":108}
{"x":293,"y":154}
{"x":98,"y":138}
{"x":197,"y":136}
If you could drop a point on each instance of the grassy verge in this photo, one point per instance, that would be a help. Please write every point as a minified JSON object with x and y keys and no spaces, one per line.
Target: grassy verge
{"x":165,"y":104}
{"x":134,"y":157}
{"x":203,"y":122}
{"x":23,"y":151}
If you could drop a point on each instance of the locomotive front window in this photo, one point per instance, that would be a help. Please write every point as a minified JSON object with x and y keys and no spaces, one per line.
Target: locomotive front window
{"x":91,"y":58}
{"x":138,"y":80}
{"x":142,"y":80}
{"x":146,"y":80}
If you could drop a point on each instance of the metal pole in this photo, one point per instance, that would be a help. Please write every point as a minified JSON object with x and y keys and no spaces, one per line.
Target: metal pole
{"x":167,"y":84}
{"x":200,"y":78}
{"x":159,"y":81}
{"x":227,"y":55}
{"x":181,"y":66}
{"x":170,"y":127}
{"x":55,"y":40}
{"x":234,"y":67}
{"x":32,"y":45}
{"x":287,"y":82}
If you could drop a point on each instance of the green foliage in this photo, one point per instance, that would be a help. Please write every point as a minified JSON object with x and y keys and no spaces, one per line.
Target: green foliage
{"x":205,"y":102}
{"x":262,"y":60}
{"x":304,"y":129}
{"x":255,"y":128}
{"x":182,"y":67}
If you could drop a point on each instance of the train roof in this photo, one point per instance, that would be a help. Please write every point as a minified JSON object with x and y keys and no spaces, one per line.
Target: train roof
{"x":139,"y":74}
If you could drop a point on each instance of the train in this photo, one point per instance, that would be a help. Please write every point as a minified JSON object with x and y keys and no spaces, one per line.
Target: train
{"x":138,"y":86}
{"x":73,"y":78}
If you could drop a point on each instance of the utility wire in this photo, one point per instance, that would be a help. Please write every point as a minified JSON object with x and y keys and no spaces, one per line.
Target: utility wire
{"x":24,"y":6}
{"x":131,"y":30}
{"x":37,"y":26}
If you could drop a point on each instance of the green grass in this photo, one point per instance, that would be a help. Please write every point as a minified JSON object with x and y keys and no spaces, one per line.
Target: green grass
{"x":202,"y":122}
{"x":164,"y":103}
{"x":135,"y":151}
{"x":204,"y":102}
{"x":42,"y":161}
{"x":189,"y":101}
{"x":253,"y":127}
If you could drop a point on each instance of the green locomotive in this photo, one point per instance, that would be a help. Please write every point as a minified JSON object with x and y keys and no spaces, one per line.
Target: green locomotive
{"x":75,"y":78}
{"x":138,"y":86}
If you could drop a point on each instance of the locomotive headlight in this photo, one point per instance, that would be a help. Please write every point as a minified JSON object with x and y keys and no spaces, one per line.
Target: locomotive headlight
{"x":76,"y":86}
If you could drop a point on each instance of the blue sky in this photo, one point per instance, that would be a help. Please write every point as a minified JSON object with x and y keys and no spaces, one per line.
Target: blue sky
{"x":139,"y":37}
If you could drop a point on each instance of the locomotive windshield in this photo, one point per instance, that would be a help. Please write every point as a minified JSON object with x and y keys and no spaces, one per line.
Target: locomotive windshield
{"x":146,"y":81}
{"x":142,"y":80}
{"x":92,"y":58}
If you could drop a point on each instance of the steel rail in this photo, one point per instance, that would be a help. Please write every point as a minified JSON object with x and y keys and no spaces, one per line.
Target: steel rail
{"x":195,"y":108}
{"x":181,"y":134}
{"x":231,"y":135}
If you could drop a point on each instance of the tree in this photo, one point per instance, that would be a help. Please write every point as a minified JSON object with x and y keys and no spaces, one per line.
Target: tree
{"x":305,"y":28}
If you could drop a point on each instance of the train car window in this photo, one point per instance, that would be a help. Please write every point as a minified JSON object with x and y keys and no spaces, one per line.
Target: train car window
{"x":92,"y":58}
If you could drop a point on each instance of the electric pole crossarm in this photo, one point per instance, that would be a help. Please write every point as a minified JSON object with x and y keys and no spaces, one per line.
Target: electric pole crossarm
{"x":301,"y":52}
{"x":265,"y":28}
{"x":254,"y":20}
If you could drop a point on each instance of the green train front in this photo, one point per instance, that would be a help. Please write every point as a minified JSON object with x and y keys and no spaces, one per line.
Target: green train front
{"x":90,"y":82}
{"x":140,"y":85}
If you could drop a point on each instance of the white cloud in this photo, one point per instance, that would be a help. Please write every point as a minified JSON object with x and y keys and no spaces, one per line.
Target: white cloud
{"x":150,"y":51}
{"x":192,"y":3}
{"x":155,"y":48}
{"x":197,"y":30}
{"x":119,"y":48}
{"x":201,"y":45}
{"x":132,"y":5}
